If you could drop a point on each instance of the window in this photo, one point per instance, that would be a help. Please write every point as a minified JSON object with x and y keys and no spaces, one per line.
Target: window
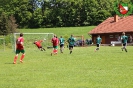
{"x":111,"y":36}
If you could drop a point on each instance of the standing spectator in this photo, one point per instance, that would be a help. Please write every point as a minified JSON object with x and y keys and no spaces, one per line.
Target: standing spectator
{"x":54,"y":41}
{"x":61,"y":41}
{"x":119,"y":38}
{"x":131,"y":38}
{"x":124,"y":41}
{"x":71,"y":42}
{"x":98,"y":42}
{"x":19,"y":48}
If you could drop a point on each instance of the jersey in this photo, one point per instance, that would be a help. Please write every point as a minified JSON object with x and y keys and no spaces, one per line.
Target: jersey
{"x":19,"y":42}
{"x":55,"y":41}
{"x":124,"y":39}
{"x":71,"y":41}
{"x":38,"y":43}
{"x":98,"y":40}
{"x":61,"y":41}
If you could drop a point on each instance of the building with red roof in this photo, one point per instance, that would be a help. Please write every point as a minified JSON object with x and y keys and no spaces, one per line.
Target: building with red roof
{"x":112,"y":28}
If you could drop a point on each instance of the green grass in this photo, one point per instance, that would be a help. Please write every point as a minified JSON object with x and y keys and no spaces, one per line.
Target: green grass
{"x":64,"y":31}
{"x":84,"y":68}
{"x":108,"y":68}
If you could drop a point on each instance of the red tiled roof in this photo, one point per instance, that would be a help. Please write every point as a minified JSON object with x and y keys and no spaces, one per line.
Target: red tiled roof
{"x":124,"y":24}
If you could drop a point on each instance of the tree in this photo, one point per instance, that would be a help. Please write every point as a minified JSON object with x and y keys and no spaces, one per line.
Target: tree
{"x":7,"y":25}
{"x":56,"y":13}
{"x":12,"y":26}
{"x":3,"y":24}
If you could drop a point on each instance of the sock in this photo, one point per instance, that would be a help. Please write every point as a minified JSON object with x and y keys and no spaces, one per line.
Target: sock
{"x":70,"y":52}
{"x":61,"y":51}
{"x":22,"y":57}
{"x":125,"y":49}
{"x":56,"y":51}
{"x":43,"y":49}
{"x":15,"y":58}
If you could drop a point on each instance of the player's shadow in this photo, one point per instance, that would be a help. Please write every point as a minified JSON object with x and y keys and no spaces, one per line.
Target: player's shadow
{"x":119,"y":52}
{"x":8,"y":63}
{"x":12,"y":63}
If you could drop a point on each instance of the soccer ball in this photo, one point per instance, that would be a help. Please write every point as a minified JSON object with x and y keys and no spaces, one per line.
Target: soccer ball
{"x":44,"y":39}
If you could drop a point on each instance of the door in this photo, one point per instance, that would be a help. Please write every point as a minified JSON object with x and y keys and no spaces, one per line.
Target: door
{"x":103,"y":39}
{"x":94,"y":42}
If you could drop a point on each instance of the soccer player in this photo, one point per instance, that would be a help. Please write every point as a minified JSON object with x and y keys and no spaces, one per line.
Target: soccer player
{"x":61,"y":41}
{"x":124,"y":39}
{"x":71,"y":42}
{"x":55,"y":42}
{"x":19,"y":48}
{"x":98,"y":42}
{"x":38,"y":44}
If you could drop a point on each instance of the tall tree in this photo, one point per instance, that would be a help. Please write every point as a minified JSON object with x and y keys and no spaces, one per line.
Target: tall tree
{"x":7,"y":24}
{"x":53,"y":13}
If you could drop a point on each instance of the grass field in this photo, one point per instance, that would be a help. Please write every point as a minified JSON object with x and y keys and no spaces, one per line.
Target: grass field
{"x":84,"y":68}
{"x":108,"y":68}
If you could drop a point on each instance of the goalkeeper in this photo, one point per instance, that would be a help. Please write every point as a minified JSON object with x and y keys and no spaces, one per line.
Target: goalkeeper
{"x":39,"y":45}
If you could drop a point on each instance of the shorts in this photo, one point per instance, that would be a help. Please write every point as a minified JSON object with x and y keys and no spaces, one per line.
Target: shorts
{"x":18,"y":51}
{"x":124,"y":44}
{"x":61,"y":45}
{"x":55,"y":47}
{"x":98,"y":45}
{"x":39,"y":47}
{"x":70,"y":47}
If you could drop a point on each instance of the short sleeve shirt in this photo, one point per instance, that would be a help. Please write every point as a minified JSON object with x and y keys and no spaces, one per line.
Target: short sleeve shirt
{"x":71,"y":41}
{"x":98,"y":40}
{"x":19,"y":45}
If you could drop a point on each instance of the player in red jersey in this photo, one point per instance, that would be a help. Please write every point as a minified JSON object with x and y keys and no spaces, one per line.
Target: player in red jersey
{"x":55,"y":42}
{"x":19,"y":48}
{"x":38,"y":44}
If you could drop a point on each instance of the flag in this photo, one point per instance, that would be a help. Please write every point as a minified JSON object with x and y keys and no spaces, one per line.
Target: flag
{"x":123,"y":8}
